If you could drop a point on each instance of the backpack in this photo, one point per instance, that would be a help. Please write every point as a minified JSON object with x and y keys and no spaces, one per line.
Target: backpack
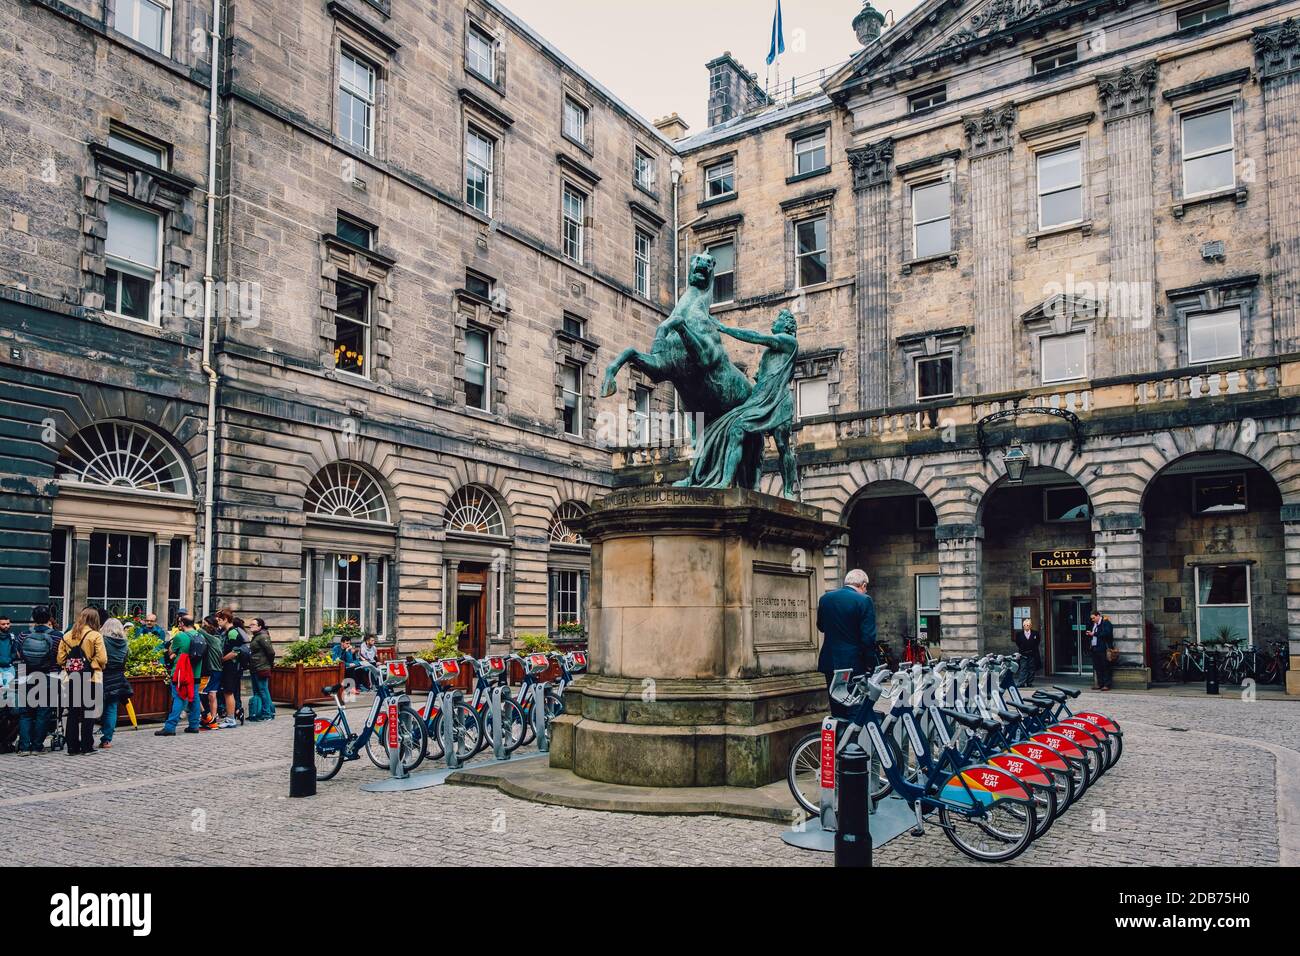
{"x":198,"y":650}
{"x":6,"y":650}
{"x":75,"y":661}
{"x":38,"y":650}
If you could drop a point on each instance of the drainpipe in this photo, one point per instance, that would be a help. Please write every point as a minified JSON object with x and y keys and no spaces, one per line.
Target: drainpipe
{"x":209,"y":490}
{"x":677,"y":168}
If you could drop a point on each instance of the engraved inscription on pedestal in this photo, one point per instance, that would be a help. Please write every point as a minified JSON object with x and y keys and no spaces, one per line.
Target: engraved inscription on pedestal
{"x":782,"y":607}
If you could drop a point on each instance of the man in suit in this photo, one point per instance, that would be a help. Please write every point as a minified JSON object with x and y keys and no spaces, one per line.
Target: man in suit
{"x":1027,"y":643}
{"x":1101,"y":639}
{"x":847,"y":618}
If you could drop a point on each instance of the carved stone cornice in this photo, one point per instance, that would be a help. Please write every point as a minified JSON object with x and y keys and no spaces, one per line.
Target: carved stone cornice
{"x":1277,"y":48}
{"x":990,"y":131}
{"x":872,"y":164}
{"x":1128,"y":91}
{"x":1001,"y":15}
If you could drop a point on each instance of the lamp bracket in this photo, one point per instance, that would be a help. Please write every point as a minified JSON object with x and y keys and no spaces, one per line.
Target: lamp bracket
{"x":1076,"y":426}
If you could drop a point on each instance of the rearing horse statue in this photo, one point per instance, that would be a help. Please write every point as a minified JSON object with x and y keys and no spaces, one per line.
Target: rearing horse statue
{"x":708,"y":383}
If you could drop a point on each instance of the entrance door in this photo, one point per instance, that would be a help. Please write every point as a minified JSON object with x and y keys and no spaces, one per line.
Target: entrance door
{"x":1069,"y":623}
{"x":471,"y":607}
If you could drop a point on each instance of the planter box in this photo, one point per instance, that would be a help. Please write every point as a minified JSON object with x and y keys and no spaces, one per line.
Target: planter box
{"x":297,"y":685}
{"x":150,"y":696}
{"x":419,"y":683}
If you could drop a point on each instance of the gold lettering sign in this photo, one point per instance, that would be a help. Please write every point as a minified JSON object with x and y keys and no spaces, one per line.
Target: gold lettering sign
{"x":1060,"y":558}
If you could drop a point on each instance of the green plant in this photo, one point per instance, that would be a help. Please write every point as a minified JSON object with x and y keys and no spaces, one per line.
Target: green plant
{"x":536,"y":643}
{"x":142,"y":657}
{"x":310,"y":652}
{"x":572,"y":628}
{"x":338,"y":630}
{"x":444,"y":644}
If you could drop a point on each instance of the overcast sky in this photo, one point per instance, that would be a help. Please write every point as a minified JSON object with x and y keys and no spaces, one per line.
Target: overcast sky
{"x":652,"y":54}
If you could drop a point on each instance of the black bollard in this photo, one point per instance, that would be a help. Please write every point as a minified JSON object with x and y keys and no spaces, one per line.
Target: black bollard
{"x":852,"y":836}
{"x":302,"y":778}
{"x":1212,"y":673}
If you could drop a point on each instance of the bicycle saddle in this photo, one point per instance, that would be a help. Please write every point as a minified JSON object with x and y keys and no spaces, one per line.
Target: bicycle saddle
{"x":1024,"y":708}
{"x":1008,"y":715}
{"x":966,"y":720}
{"x":1046,"y":695}
{"x":1067,"y":691}
{"x":331,"y":689}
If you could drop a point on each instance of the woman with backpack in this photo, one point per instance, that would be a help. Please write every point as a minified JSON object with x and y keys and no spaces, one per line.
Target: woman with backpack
{"x":261,"y":660}
{"x":233,"y":638}
{"x":81,"y":657}
{"x":117,"y":689}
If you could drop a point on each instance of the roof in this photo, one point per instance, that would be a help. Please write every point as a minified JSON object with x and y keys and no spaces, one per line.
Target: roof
{"x":753,"y":121}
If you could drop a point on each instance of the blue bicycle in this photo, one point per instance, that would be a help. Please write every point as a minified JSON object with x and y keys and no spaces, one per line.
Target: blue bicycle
{"x":335,"y":741}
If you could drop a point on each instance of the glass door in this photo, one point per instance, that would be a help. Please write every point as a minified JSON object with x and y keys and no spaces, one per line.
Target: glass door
{"x":1069,"y":620}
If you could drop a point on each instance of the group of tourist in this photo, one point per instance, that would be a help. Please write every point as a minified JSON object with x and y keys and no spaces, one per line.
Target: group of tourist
{"x":82,"y":673}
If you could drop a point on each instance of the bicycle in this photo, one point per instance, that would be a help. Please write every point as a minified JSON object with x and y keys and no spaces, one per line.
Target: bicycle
{"x":533,"y":665}
{"x":489,"y":672}
{"x":1275,"y":662}
{"x":335,"y":741}
{"x":466,"y":730}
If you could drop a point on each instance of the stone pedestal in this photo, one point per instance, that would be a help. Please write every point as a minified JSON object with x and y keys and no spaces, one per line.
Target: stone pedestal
{"x":1293,"y":676}
{"x":703,"y":640}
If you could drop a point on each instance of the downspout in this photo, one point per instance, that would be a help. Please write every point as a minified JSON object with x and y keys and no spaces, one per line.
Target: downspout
{"x":209,"y":489}
{"x":677,"y":168}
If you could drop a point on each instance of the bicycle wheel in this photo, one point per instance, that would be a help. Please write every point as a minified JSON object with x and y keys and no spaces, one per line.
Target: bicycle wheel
{"x":413,"y":742}
{"x":1001,"y":835}
{"x":467,"y":733}
{"x":329,"y":764}
{"x":803,"y":772}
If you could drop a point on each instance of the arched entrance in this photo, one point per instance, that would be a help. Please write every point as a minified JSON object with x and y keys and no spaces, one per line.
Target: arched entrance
{"x":476,"y":568}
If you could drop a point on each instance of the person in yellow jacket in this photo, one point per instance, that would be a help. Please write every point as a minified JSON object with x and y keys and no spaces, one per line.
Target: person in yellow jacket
{"x":81,"y":656}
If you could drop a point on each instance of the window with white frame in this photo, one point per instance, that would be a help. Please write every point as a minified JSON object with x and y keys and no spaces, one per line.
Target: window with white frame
{"x":927,"y":608}
{"x":1054,"y":59}
{"x":478,"y":368}
{"x":810,"y":153}
{"x":720,"y":179}
{"x":724,"y":270}
{"x":567,"y":598}
{"x":641,"y":261}
{"x":575,"y":223}
{"x":644,"y":172}
{"x":926,"y":99}
{"x":934,"y":377}
{"x":145,"y":21}
{"x":1199,"y":14}
{"x":59,"y":592}
{"x":356,"y":100}
{"x":133,"y":248}
{"x":812,"y":252}
{"x":1064,"y":357}
{"x":354,"y":231}
{"x":1060,"y":187}
{"x":481,"y":52}
{"x":138,"y":148}
{"x":120,"y":572}
{"x":1223,"y":604}
{"x":812,"y":397}
{"x":1209,"y":162}
{"x":931,"y":219}
{"x":345,"y":576}
{"x":575,"y":120}
{"x":480,"y":152}
{"x":571,"y":390}
{"x":352,"y":328}
{"x":1213,"y":336}
{"x":641,"y":415}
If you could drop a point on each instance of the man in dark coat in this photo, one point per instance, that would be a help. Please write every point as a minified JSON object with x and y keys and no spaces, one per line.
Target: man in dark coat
{"x":847,"y":617}
{"x":1101,"y":639}
{"x":1027,"y":643}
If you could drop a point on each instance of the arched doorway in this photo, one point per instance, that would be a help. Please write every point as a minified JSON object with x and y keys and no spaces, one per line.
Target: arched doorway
{"x":1214,"y":556}
{"x":476,"y":568}
{"x":1038,"y":565}
{"x":892,"y":538}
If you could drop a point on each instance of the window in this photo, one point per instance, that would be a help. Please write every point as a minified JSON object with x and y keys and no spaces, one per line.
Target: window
{"x":811,"y":265}
{"x":1223,"y":603}
{"x":934,"y":377}
{"x":926,"y":99}
{"x":575,"y":326}
{"x":175,"y":580}
{"x":480,"y":150}
{"x":352,"y":327}
{"x":304,"y":592}
{"x":1066,"y":504}
{"x":645,"y":170}
{"x":641,"y":257}
{"x":356,"y":101}
{"x":119,"y":575}
{"x":145,"y":21}
{"x":473,"y":510}
{"x":1219,"y":494}
{"x":344,"y":586}
{"x":1060,"y":187}
{"x":568,"y":592}
{"x":812,"y":397}
{"x":561,"y":531}
{"x":720,"y":179}
{"x":641,"y":415}
{"x":477,"y":285}
{"x":927,"y":608}
{"x":346,"y":491}
{"x":123,"y":455}
{"x":1064,"y":357}
{"x":134,"y":251}
{"x":381,"y":598}
{"x":59,"y":597}
{"x":478,"y":368}
{"x":571,"y":388}
{"x":1204,"y":13}
{"x":350,"y":230}
{"x":481,"y":53}
{"x":1055,"y":59}
{"x":724,"y":271}
{"x":926,"y":516}
{"x":931,"y":220}
{"x":138,"y":148}
{"x":575,"y":220}
{"x":1213,"y":336}
{"x":810,"y":153}
{"x":575,"y":121}
{"x":1208,"y":161}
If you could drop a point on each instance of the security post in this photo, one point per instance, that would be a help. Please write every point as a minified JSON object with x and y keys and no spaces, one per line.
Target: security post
{"x":537,"y":663}
{"x":302,"y":775}
{"x":853,"y":836}
{"x":826,"y":798}
{"x":396,"y":766}
{"x":448,"y":671}
{"x":494,"y":667}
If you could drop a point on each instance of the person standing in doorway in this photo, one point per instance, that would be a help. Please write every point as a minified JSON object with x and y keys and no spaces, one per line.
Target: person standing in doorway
{"x":1101,"y":639}
{"x":847,"y":618}
{"x":1028,"y":643}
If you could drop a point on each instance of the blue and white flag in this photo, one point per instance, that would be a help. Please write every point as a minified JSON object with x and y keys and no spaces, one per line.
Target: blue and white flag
{"x":778,"y":36}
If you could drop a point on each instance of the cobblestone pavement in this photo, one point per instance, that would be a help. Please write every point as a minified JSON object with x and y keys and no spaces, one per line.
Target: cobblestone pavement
{"x":1205,"y":793}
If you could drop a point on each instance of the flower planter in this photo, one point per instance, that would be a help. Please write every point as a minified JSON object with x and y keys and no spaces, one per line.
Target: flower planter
{"x":150,"y":696}
{"x":298,"y":684}
{"x":419,"y":682}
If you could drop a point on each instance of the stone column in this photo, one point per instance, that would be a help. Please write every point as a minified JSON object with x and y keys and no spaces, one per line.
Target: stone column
{"x":1127,"y":97}
{"x":989,"y":140}
{"x":1291,"y":537}
{"x":1119,"y":592}
{"x":162,"y":559}
{"x":80,"y":571}
{"x":372,"y":624}
{"x":872,"y":168}
{"x":450,"y":571}
{"x":1277,"y":49}
{"x":961,"y":549}
{"x":316,"y":607}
